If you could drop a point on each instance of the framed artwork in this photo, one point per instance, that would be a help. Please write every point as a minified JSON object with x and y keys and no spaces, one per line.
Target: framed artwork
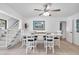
{"x":77,"y":25}
{"x":3,"y":24}
{"x":38,"y":25}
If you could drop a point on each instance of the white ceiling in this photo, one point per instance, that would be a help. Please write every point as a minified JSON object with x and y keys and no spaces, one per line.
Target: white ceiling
{"x":26,"y":9}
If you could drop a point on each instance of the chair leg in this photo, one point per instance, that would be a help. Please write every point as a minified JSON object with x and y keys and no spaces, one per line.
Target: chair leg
{"x":59,"y":44}
{"x":53,"y":49}
{"x":22,"y":44}
{"x":26,"y":50}
{"x":33,"y":49}
{"x":46,"y":50}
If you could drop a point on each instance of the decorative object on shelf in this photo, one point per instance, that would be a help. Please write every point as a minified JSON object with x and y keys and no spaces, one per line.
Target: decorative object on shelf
{"x":3,"y":24}
{"x":38,"y":25}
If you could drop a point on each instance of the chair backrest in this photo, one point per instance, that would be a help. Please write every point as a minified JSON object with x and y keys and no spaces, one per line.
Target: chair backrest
{"x":44,"y":37}
{"x":30,"y":41}
{"x":35,"y":38}
{"x":49,"y":38}
{"x":30,"y":38}
{"x":57,"y":35}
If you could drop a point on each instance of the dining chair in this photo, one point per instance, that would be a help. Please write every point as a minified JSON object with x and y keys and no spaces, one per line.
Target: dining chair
{"x":35,"y":39}
{"x":57,"y":38}
{"x":30,"y":43}
{"x":49,"y":42}
{"x":24,"y":40}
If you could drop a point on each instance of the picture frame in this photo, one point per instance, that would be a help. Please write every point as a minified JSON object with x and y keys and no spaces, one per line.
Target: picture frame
{"x":38,"y":25}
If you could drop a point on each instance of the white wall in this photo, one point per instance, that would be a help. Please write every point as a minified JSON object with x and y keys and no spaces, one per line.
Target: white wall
{"x":3,"y":16}
{"x":51,"y":23}
{"x":7,"y":10}
{"x":10,"y":22}
{"x":10,"y":11}
{"x":71,"y":27}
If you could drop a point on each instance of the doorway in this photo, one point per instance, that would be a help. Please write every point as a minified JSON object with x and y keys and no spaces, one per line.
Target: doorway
{"x":63,"y":29}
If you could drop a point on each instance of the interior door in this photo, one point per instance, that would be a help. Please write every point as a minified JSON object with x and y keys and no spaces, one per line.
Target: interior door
{"x":63,"y":29}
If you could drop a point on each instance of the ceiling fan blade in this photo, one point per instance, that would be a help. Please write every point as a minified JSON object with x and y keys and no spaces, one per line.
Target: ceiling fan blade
{"x":47,"y":6}
{"x":56,"y":10}
{"x":38,"y":10}
{"x":40,"y":14}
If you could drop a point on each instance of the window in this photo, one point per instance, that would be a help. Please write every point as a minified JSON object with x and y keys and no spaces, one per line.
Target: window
{"x":77,"y":25}
{"x":3,"y":24}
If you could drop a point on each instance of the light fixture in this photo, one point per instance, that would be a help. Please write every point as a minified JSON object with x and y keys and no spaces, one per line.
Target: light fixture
{"x":46,"y":14}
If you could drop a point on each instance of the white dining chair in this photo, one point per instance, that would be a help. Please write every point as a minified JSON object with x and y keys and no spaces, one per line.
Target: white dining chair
{"x":30,"y":44}
{"x":49,"y":42}
{"x":57,"y":38}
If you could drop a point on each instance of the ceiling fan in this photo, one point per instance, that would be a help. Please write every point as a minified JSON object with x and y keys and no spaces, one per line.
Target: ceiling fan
{"x":47,"y":10}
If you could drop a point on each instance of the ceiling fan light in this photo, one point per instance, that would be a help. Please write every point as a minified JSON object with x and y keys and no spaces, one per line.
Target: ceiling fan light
{"x":48,"y":7}
{"x":46,"y":14}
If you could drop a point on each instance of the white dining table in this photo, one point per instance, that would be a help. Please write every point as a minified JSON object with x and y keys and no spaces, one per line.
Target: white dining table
{"x":40,"y":38}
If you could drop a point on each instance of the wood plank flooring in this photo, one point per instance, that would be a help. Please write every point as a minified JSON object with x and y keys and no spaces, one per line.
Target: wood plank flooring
{"x":66,"y":48}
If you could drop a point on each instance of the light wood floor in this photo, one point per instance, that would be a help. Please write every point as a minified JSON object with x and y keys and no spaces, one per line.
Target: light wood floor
{"x":15,"y":50}
{"x":65,"y":49}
